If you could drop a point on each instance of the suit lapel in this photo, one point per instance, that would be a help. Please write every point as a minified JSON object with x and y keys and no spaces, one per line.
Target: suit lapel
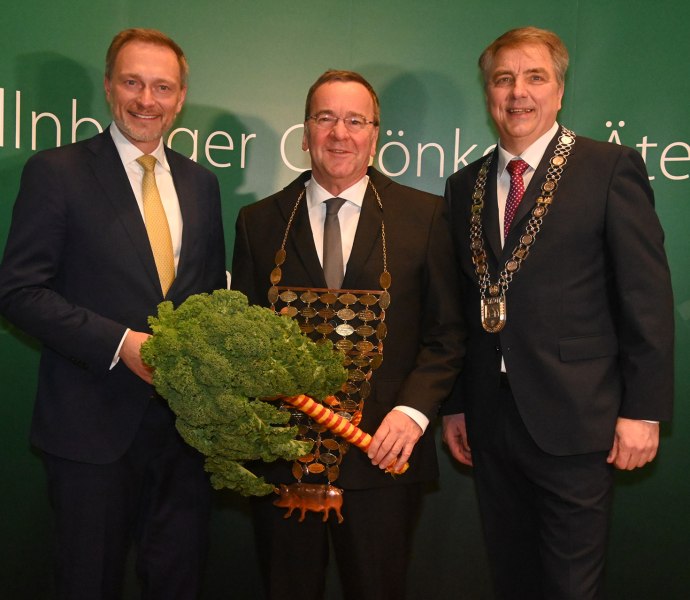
{"x":110,"y":173}
{"x":300,"y":240}
{"x":490,"y":212}
{"x":189,"y":209}
{"x":368,"y":234}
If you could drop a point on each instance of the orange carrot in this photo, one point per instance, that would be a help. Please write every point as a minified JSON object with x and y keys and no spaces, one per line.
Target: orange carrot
{"x":335,"y":423}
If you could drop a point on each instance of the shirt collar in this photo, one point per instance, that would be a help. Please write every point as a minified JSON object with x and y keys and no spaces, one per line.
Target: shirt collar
{"x":532,"y":155}
{"x":129,"y":152}
{"x":316,"y":194}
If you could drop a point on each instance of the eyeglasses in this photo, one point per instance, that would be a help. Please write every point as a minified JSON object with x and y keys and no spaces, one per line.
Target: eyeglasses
{"x":353,"y":124}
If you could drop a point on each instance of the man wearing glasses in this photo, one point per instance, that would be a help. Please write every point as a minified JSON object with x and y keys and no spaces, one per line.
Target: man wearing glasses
{"x":385,"y":282}
{"x":103,"y":231}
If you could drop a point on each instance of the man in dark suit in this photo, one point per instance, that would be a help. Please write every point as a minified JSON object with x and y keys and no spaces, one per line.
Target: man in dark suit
{"x":82,"y":271}
{"x":569,"y":368}
{"x":391,"y":237}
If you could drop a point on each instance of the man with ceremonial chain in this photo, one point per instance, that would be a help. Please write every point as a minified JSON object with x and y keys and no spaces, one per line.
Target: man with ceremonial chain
{"x":568,"y":304}
{"x":367,"y":264}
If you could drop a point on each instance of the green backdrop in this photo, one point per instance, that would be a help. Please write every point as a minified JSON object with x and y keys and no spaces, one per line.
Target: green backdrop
{"x":251,"y":65}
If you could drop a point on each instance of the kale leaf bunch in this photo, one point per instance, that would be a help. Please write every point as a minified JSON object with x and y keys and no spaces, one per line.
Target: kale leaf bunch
{"x":214,"y":358}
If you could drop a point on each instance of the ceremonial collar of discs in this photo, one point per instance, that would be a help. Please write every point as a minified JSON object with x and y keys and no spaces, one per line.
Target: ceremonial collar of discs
{"x":353,"y":320}
{"x":493,"y":306}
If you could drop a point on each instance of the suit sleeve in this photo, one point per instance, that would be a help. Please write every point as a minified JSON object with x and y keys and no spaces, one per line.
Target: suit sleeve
{"x":217,"y":244}
{"x":635,"y":242}
{"x":454,"y":403}
{"x":31,"y":266}
{"x":442,"y":344}
{"x":243,"y":261}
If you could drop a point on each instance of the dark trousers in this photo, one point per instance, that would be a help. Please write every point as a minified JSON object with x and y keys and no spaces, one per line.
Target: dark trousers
{"x":545,"y":518}
{"x":156,"y":496}
{"x":371,"y":546}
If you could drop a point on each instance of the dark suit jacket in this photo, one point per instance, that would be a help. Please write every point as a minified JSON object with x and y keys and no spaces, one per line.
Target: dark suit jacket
{"x":589,"y":332}
{"x":423,"y":348}
{"x":78,"y":270}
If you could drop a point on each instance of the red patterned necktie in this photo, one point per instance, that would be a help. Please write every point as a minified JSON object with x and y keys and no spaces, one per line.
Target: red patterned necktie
{"x":516,"y":168}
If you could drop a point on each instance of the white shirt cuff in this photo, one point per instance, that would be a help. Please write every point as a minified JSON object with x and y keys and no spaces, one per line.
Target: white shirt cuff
{"x":417,"y":416}
{"x":116,"y":358}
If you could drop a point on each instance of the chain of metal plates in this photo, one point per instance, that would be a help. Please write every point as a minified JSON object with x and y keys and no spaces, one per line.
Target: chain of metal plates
{"x":354,"y":322}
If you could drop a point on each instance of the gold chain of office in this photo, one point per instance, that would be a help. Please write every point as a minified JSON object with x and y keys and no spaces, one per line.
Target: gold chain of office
{"x":354,"y":322}
{"x":493,"y":307}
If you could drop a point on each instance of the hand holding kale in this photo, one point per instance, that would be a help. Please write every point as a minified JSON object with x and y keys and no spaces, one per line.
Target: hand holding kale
{"x":214,"y":357}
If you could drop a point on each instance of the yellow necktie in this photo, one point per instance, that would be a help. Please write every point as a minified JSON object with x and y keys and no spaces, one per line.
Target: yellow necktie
{"x":157,"y":224}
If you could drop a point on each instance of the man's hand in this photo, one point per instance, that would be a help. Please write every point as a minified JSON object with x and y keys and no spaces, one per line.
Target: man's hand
{"x":393,"y":441}
{"x":455,"y":435}
{"x":130,"y":354}
{"x":635,"y":443}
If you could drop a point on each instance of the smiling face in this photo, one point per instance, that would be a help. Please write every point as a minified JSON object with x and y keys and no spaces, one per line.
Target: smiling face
{"x":339,"y":157}
{"x":145,"y":92}
{"x":523,"y":95}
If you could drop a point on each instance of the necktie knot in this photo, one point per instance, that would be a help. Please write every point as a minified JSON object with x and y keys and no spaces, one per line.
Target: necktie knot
{"x":333,"y":205}
{"x":516,"y":167}
{"x":517,"y":188}
{"x":148,"y":162}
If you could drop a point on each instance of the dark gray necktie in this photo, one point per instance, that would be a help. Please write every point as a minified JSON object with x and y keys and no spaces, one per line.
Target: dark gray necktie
{"x":332,"y":245}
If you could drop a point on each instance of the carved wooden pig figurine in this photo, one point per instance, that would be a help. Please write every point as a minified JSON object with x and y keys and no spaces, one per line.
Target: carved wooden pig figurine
{"x":310,"y":496}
